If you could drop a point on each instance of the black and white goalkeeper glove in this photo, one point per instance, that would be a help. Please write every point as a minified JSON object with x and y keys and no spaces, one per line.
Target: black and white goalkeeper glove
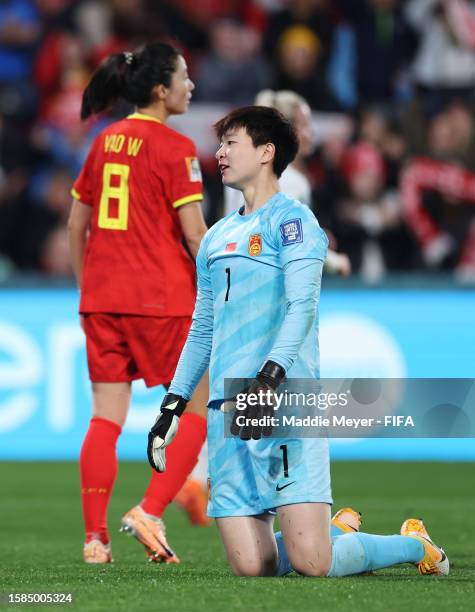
{"x":164,"y":429}
{"x":254,"y":420}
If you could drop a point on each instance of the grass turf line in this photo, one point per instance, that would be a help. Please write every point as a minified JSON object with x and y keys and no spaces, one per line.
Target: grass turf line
{"x":41,"y":543}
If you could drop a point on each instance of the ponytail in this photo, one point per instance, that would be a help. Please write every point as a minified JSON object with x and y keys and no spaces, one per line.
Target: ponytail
{"x":105,"y":86}
{"x":131,"y":76}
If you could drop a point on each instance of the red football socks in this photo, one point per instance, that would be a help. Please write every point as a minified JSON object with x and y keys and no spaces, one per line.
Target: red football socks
{"x":181,"y":457}
{"x":98,"y":469}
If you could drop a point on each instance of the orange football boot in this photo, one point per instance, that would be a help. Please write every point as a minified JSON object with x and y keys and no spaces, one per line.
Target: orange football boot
{"x":348,"y":520}
{"x":435,"y":560}
{"x":150,"y":531}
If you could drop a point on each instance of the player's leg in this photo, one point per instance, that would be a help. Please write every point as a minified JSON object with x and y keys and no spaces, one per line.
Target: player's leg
{"x":98,"y":465}
{"x":249,"y":544}
{"x":306,"y":534}
{"x":349,"y":554}
{"x":144,"y":520}
{"x":345,"y":520}
{"x":193,"y":495}
{"x":293,"y":475}
{"x":357,"y":553}
{"x":165,"y":337}
{"x":181,"y":455}
{"x":110,"y":370}
{"x":244,"y":525}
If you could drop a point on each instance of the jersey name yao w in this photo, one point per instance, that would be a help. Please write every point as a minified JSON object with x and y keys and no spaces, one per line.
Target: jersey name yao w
{"x":242,"y":301}
{"x":137,"y":174}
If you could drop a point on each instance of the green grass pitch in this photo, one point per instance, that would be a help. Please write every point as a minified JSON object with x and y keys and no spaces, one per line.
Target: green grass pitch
{"x":41,"y":542}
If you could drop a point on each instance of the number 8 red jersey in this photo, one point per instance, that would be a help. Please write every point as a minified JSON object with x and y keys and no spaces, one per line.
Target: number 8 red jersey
{"x":138,"y":172}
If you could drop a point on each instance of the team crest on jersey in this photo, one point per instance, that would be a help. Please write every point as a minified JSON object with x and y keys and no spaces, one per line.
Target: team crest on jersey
{"x":255,"y":245}
{"x":194,"y":170}
{"x":291,"y":232}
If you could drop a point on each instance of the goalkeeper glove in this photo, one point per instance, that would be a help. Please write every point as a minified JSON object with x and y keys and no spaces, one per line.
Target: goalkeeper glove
{"x":263,"y":387}
{"x":164,"y":429}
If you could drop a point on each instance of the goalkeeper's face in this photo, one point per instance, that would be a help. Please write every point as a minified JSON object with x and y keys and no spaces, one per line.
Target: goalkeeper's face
{"x":240,"y":162}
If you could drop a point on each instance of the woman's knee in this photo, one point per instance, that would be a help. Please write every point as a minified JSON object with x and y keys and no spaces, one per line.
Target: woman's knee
{"x":253,"y":568}
{"x":310,"y":562}
{"x":111,"y":401}
{"x":308,"y":567}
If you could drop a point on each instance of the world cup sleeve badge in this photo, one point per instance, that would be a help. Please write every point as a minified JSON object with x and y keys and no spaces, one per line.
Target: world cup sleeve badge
{"x":194,"y":170}
{"x":255,"y":245}
{"x":291,"y":232}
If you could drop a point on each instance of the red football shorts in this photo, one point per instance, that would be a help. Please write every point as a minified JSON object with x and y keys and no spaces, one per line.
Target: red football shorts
{"x":122,"y":348}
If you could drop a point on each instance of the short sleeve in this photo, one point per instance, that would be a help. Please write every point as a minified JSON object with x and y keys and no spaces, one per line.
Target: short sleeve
{"x":297,"y":234}
{"x":82,"y":186}
{"x":186,"y":179}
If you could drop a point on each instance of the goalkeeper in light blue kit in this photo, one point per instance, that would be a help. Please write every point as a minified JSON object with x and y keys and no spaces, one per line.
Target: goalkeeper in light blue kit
{"x":256,"y":317}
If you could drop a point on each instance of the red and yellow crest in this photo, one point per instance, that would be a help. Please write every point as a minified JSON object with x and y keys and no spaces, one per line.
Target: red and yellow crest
{"x":255,"y":245}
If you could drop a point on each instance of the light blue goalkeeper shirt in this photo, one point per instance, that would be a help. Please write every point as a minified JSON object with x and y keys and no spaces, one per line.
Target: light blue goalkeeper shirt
{"x":259,"y":278}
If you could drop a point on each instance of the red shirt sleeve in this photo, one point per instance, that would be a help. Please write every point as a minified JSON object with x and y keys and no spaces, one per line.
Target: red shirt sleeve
{"x":187,"y":182}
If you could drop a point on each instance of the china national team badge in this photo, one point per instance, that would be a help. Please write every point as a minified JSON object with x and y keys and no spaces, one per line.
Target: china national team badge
{"x":255,"y":245}
{"x":291,"y":232}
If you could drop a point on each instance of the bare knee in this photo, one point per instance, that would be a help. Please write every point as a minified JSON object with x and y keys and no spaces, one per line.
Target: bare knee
{"x":309,"y":567}
{"x":111,"y":401}
{"x":253,"y":568}
{"x":308,"y":562}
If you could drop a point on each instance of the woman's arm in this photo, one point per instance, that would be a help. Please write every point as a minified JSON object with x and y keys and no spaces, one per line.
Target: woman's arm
{"x":193,"y":225}
{"x":194,"y":359}
{"x":302,"y":281}
{"x":78,"y":226}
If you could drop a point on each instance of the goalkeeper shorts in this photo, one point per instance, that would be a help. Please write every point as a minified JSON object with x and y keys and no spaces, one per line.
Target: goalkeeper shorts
{"x":122,"y":348}
{"x":256,"y":476}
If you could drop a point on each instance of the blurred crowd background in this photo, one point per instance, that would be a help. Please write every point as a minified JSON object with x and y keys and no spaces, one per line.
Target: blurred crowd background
{"x":395,"y":189}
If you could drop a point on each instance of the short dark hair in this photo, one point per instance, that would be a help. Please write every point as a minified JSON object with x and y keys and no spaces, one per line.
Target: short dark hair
{"x":131,"y":76}
{"x":264,"y":124}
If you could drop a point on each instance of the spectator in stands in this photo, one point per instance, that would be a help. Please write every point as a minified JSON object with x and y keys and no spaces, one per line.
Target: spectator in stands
{"x":59,"y":132}
{"x":438,"y":192}
{"x":444,"y":65}
{"x":378,"y":127}
{"x":47,"y":214}
{"x":371,"y":231}
{"x":54,"y":255}
{"x":20,"y":29}
{"x":234,"y":70}
{"x":301,"y":68}
{"x":15,"y":162}
{"x":382,"y":45}
{"x":316,"y":15}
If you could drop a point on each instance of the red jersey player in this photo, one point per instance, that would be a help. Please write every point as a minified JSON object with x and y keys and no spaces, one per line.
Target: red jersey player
{"x":137,"y":197}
